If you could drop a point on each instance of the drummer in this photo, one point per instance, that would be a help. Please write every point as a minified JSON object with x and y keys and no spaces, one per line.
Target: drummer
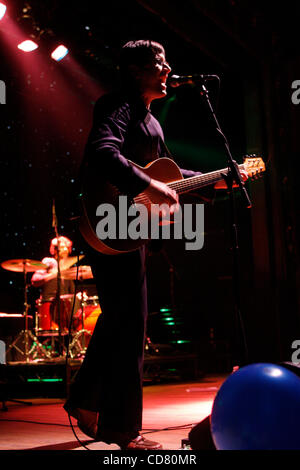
{"x":46,"y":279}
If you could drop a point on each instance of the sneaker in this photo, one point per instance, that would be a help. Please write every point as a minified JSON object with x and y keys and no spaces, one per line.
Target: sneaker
{"x":141,"y":443}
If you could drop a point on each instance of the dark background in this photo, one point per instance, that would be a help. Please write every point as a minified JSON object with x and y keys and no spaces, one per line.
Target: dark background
{"x":252,"y":46}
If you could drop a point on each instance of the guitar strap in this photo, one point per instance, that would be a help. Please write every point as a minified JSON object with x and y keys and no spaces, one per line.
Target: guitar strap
{"x":168,"y":153}
{"x":154,"y":139}
{"x":157,"y":142}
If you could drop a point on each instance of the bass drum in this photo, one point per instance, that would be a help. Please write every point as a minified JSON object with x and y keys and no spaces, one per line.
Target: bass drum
{"x":47,"y":316}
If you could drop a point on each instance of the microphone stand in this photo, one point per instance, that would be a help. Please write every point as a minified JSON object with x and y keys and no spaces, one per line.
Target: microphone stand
{"x":232,"y":175}
{"x":54,"y":225}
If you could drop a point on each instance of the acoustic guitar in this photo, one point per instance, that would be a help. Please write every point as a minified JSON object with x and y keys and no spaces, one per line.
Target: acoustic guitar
{"x":162,"y":169}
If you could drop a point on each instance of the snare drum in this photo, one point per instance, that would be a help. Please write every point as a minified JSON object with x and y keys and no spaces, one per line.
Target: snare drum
{"x":47,"y":321}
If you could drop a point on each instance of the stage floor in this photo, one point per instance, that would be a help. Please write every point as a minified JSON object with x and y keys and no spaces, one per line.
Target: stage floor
{"x":170,"y":410}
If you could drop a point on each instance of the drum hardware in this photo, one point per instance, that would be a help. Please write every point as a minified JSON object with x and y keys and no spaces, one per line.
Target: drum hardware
{"x":26,"y":266}
{"x":7,"y":318}
{"x":46,"y":325}
{"x":80,"y":273}
{"x":65,"y":264}
{"x":46,"y":320}
{"x":50,"y":344}
{"x":61,"y":305}
{"x":21,"y":265}
{"x":47,"y":312}
{"x":87,"y":316}
{"x":78,"y":348}
{"x":63,"y":267}
{"x":53,"y":316}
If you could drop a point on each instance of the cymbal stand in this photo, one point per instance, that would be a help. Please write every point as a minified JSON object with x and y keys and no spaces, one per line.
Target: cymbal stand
{"x":26,"y":335}
{"x":76,"y":343}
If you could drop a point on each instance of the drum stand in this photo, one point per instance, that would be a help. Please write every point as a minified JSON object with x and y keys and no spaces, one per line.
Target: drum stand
{"x":49,"y":342}
{"x":26,"y":335}
{"x":76,"y":341}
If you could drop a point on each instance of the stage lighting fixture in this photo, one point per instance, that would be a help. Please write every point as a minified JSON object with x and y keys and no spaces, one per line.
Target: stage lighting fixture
{"x":27,"y":46}
{"x":2,"y":10}
{"x":59,"y":53}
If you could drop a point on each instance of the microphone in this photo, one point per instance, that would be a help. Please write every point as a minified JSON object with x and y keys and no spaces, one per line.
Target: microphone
{"x":178,"y":80}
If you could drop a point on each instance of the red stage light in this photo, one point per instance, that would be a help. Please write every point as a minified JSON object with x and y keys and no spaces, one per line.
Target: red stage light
{"x":59,"y":53}
{"x":27,"y":46}
{"x":2,"y":10}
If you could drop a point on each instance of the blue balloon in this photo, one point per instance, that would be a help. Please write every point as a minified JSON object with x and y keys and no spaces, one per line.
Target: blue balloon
{"x":257,"y":408}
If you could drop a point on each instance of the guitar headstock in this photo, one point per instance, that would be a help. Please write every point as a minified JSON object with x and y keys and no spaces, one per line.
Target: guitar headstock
{"x":254,"y":165}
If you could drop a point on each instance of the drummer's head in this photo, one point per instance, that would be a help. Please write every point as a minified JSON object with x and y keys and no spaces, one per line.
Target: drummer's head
{"x":63,"y":244}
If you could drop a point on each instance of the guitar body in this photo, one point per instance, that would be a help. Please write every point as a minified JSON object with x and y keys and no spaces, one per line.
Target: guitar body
{"x":96,"y":193}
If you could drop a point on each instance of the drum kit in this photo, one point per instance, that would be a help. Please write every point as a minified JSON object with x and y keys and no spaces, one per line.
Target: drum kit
{"x":74,"y":317}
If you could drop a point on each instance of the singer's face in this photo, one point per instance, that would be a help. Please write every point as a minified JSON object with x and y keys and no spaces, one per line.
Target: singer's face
{"x":152,"y":79}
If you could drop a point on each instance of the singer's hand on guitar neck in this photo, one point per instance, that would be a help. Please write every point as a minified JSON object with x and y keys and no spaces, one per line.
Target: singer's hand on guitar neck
{"x":160,"y":193}
{"x":222,"y":183}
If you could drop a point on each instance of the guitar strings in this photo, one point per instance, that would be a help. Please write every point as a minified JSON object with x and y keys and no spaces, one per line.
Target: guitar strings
{"x":184,"y":185}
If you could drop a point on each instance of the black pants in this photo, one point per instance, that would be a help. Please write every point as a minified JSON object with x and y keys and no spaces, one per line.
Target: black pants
{"x":110,"y":378}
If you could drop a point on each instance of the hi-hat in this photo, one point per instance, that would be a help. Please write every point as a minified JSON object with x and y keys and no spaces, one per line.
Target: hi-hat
{"x":20,"y":265}
{"x":84,"y":272}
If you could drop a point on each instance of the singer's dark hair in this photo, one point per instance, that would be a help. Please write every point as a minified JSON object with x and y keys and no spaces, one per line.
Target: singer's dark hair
{"x":141,"y":53}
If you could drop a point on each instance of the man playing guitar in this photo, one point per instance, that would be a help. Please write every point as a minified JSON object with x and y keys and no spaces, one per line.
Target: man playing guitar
{"x":106,"y":396}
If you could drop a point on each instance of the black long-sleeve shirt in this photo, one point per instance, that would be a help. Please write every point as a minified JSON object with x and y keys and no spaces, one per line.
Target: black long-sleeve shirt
{"x":124,"y":129}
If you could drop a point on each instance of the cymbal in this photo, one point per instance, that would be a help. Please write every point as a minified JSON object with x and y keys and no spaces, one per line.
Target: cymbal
{"x":84,"y":272}
{"x":66,"y":263}
{"x":20,"y":265}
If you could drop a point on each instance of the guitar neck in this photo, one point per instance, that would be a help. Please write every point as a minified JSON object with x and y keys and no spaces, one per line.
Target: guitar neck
{"x":199,"y":181}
